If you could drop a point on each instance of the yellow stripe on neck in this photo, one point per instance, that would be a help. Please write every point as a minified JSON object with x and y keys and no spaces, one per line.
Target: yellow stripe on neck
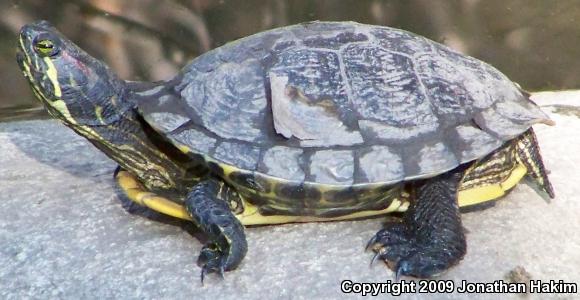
{"x":53,"y":76}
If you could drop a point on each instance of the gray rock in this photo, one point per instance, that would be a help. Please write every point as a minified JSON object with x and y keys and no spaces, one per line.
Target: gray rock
{"x":65,"y":235}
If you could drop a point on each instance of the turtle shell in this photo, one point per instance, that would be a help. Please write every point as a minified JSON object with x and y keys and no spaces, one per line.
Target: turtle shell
{"x":339,"y":103}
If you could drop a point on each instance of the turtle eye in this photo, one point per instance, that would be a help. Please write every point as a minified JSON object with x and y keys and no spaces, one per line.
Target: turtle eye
{"x":45,"y":48}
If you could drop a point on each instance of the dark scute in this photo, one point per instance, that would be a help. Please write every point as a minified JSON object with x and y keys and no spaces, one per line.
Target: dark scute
{"x":380,"y":203}
{"x":299,"y":192}
{"x":382,"y":191}
{"x":266,"y":210}
{"x":256,"y":199}
{"x":341,"y":196}
{"x":248,"y":181}
{"x":362,"y":194}
{"x":196,"y":158}
{"x":263,"y":182}
{"x":216,"y":169}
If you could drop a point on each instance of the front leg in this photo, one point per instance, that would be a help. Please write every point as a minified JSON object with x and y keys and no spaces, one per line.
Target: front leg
{"x":430,"y":238}
{"x":227,"y":244}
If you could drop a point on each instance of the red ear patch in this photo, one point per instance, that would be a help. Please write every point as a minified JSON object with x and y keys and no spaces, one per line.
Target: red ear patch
{"x":76,"y":63}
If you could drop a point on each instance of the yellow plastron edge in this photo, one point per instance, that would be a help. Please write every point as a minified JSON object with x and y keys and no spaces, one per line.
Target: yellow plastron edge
{"x":137,"y":193}
{"x":489,"y":192}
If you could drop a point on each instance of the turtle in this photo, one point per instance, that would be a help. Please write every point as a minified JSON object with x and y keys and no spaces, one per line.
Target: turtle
{"x":318,"y":121}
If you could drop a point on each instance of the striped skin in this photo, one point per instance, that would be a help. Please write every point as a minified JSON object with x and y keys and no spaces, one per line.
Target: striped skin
{"x":93,"y":102}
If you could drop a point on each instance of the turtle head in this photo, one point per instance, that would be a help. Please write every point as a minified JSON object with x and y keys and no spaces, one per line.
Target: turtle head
{"x":74,"y":86}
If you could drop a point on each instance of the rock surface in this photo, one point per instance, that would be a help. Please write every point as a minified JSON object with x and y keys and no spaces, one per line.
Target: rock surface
{"x":65,"y":235}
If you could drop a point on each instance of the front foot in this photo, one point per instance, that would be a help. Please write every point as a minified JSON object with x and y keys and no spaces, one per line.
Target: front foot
{"x":227,"y":244}
{"x":410,"y":255}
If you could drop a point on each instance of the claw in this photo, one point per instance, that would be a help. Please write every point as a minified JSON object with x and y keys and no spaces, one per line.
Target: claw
{"x":374,"y":259}
{"x":203,"y":271}
{"x":371,"y":242}
{"x":221,"y":272}
{"x":401,"y":267}
{"x":398,"y":275}
{"x":379,"y":254}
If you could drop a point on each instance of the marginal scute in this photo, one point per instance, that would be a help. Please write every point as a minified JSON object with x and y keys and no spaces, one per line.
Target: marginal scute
{"x":499,"y":126}
{"x":196,"y":140}
{"x":381,"y":164}
{"x":435,"y":158}
{"x":283,"y":162}
{"x":332,"y":166}
{"x":241,"y":155}
{"x":524,"y":112}
{"x":166,"y":121}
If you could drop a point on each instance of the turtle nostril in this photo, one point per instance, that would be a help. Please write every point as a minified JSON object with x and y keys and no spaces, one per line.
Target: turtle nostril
{"x":43,"y":23}
{"x":26,"y":32}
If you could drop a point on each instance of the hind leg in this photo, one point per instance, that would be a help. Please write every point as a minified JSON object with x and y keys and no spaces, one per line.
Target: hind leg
{"x":430,"y":238}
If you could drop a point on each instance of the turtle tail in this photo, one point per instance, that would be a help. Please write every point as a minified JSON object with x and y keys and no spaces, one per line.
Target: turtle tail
{"x":528,"y":153}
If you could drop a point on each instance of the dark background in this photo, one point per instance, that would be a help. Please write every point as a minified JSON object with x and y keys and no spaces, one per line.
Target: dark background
{"x":535,"y":42}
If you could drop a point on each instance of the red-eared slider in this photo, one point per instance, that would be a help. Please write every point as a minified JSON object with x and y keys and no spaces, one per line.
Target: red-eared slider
{"x":312,"y":122}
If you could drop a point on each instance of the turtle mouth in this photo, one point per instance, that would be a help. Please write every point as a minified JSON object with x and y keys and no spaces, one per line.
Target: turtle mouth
{"x":25,"y":67}
{"x":35,"y":77}
{"x":20,"y":60}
